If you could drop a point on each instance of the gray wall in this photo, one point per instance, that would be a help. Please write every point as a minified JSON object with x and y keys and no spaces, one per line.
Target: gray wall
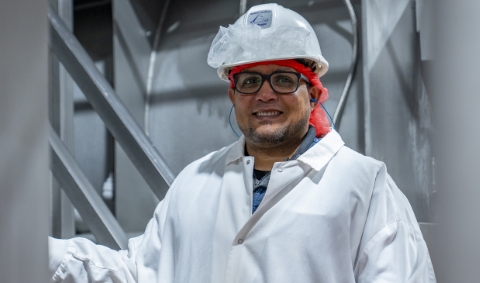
{"x":24,"y":169}
{"x":397,"y":106}
{"x":454,"y":81}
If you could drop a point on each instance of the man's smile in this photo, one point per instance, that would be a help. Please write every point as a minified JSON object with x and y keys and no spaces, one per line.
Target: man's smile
{"x":267,"y":113}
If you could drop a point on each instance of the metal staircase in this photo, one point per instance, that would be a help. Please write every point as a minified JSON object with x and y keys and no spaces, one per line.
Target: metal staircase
{"x":120,"y":123}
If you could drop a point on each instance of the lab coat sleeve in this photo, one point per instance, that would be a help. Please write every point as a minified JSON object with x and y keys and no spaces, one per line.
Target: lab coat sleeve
{"x":80,"y":260}
{"x":393,"y":249}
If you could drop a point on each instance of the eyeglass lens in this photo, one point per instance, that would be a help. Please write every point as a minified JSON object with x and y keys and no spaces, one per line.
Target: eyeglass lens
{"x":280,"y":82}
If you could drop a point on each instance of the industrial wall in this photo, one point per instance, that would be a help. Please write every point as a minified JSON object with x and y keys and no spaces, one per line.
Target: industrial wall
{"x":454,"y":81}
{"x":24,"y":169}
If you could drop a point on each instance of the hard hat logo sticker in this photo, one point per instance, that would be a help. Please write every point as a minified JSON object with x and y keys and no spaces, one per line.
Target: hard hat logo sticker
{"x":262,"y":18}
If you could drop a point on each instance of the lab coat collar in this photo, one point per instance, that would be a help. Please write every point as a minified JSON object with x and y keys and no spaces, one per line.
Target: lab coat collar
{"x":316,"y":157}
{"x":236,"y":151}
{"x":319,"y":155}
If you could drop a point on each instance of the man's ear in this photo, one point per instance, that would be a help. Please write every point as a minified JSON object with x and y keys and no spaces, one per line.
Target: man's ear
{"x":231,"y":95}
{"x":314,"y":93}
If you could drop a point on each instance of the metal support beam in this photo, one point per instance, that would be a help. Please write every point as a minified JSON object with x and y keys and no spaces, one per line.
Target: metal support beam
{"x":109,"y":107}
{"x":81,"y":193}
{"x":61,"y":118}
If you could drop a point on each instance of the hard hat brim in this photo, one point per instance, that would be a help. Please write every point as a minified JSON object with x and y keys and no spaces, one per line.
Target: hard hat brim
{"x":322,"y":65}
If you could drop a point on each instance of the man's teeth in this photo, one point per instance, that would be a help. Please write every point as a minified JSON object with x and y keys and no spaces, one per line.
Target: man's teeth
{"x":269,"y":113}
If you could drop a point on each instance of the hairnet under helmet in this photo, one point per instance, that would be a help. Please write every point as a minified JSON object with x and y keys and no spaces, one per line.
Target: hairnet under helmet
{"x":266,"y":32}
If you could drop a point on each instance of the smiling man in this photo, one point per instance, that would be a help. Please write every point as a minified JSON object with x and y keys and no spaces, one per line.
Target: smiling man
{"x":287,"y":202}
{"x":273,"y":116}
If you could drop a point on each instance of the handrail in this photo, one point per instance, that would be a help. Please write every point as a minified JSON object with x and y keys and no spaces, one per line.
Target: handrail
{"x":109,"y":107}
{"x":83,"y":196}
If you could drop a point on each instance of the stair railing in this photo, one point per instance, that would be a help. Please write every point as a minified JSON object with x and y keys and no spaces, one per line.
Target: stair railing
{"x":119,"y":122}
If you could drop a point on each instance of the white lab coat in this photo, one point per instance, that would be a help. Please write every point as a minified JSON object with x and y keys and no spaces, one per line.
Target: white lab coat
{"x":332,"y":215}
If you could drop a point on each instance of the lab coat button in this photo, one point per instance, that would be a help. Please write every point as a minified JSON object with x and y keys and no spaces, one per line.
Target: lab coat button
{"x":248,"y":161}
{"x":240,"y":241}
{"x":280,"y":169}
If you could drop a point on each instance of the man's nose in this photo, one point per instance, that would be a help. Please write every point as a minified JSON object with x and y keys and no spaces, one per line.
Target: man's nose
{"x":266,"y":93}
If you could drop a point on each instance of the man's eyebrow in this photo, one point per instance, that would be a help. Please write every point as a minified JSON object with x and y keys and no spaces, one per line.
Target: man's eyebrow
{"x":285,"y":69}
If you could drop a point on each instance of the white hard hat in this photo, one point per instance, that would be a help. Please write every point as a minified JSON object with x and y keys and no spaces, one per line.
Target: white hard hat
{"x":265,"y":33}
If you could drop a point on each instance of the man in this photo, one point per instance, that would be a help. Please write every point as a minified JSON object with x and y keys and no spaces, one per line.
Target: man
{"x":287,"y":202}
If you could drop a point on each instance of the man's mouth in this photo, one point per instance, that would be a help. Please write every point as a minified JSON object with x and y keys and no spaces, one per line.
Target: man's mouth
{"x":267,"y":113}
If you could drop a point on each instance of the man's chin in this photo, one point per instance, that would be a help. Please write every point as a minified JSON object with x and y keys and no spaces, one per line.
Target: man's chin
{"x":267,"y":136}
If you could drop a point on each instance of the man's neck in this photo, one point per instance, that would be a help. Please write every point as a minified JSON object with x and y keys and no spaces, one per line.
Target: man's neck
{"x":264,"y":159}
{"x":266,"y":155}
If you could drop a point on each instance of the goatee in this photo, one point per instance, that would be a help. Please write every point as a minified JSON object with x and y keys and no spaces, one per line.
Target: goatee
{"x":278,"y":136}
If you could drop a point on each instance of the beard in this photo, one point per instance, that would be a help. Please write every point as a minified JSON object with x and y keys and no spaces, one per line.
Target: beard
{"x":279,"y":135}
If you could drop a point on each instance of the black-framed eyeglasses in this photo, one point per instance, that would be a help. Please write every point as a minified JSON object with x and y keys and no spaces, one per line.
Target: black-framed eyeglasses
{"x":280,"y":82}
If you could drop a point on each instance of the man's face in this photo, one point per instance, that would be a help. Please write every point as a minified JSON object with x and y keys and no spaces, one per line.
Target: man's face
{"x":268,"y":118}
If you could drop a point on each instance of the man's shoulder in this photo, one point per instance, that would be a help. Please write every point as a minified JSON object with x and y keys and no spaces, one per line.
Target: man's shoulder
{"x":386,"y":190}
{"x":351,"y":158}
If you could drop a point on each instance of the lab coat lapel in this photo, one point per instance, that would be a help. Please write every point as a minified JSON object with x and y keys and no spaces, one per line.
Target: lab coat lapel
{"x":235,"y":204}
{"x":286,"y":175}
